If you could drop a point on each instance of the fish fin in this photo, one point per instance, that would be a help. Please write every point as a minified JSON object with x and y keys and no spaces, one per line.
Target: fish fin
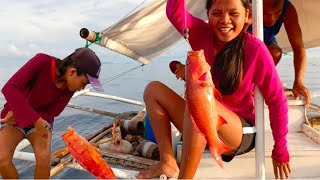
{"x":203,"y":77}
{"x":221,"y":121}
{"x":95,"y":155}
{"x":217,"y":94}
{"x":218,"y":150}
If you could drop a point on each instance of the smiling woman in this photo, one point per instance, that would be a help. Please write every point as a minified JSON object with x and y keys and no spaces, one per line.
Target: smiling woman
{"x":35,"y":95}
{"x":235,"y":69}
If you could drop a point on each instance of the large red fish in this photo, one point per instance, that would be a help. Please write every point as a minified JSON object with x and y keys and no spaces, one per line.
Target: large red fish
{"x":200,"y":98}
{"x":88,"y":157}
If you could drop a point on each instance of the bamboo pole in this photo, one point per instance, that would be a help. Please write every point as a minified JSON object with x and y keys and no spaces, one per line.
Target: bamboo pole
{"x":115,"y":98}
{"x":93,"y":110}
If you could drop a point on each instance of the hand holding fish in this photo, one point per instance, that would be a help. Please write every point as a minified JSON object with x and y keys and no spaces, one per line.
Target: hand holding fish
{"x":178,"y":69}
{"x":281,"y":170}
{"x":42,"y":127}
{"x":9,"y":119}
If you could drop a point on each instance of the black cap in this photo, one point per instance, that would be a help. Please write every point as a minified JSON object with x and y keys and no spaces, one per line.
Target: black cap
{"x":89,"y":63}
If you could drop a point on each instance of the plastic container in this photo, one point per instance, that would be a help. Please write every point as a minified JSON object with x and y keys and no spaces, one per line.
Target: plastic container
{"x":148,"y":132}
{"x":149,"y":135}
{"x":179,"y":151}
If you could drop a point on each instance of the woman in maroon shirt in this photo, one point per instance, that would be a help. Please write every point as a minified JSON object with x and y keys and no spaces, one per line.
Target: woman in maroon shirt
{"x":35,"y":94}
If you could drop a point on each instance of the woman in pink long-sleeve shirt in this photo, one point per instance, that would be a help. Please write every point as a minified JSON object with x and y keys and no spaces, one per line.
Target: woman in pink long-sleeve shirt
{"x":36,"y":94}
{"x":238,"y":61}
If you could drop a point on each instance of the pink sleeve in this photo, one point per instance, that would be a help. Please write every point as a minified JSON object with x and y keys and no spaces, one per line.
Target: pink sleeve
{"x":271,"y":88}
{"x":12,"y":91}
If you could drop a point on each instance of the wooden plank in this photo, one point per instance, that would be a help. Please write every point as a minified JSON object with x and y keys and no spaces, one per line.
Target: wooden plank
{"x":128,"y":157}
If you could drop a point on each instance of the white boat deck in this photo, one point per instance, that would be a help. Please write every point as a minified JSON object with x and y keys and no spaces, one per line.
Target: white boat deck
{"x":303,"y":149}
{"x":304,"y":152}
{"x":304,"y":160}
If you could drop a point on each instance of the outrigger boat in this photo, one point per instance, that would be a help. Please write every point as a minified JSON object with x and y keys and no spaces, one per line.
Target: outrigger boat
{"x":144,"y":35}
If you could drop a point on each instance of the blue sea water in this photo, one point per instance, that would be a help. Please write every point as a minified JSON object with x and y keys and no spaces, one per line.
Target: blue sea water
{"x":131,"y":86}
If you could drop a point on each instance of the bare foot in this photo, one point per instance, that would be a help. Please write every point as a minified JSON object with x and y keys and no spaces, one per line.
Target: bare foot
{"x":171,"y":170}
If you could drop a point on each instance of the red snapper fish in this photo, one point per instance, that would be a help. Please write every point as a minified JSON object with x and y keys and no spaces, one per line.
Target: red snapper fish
{"x":87,"y":156}
{"x":200,"y":98}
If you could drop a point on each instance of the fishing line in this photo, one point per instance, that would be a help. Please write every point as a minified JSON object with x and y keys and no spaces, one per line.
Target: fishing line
{"x":186,"y":30}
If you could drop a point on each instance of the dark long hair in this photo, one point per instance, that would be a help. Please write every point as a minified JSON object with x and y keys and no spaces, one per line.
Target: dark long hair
{"x":229,"y":62}
{"x":62,"y":66}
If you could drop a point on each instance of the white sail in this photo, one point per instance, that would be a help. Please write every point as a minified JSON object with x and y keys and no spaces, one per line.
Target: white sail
{"x":148,"y":33}
{"x":308,"y":14}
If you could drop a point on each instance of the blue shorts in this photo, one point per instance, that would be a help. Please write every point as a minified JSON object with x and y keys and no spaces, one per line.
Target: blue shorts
{"x":26,"y":131}
{"x":272,"y":42}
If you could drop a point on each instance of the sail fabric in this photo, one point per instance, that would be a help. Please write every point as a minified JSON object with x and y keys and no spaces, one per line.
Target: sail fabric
{"x":308,"y":15}
{"x":148,"y":33}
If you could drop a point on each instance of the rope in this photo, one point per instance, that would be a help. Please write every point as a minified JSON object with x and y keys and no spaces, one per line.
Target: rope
{"x":98,"y":35}
{"x":118,"y":75}
{"x":128,"y":14}
{"x":287,"y":54}
{"x":121,"y":74}
{"x":314,"y":64}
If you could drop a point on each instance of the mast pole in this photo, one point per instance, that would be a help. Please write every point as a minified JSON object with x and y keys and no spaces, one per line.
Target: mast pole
{"x":257,"y":26}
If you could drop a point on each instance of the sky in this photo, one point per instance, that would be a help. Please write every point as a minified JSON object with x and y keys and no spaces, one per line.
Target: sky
{"x":29,"y":27}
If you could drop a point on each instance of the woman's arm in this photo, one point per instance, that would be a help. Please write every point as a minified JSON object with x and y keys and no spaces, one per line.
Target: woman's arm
{"x":17,"y":84}
{"x":271,"y":88}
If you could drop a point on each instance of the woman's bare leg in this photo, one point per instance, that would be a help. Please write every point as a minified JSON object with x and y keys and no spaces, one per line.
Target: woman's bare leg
{"x":194,"y":143}
{"x":42,"y":152}
{"x":163,"y":105}
{"x":192,"y":148}
{"x":9,"y":139}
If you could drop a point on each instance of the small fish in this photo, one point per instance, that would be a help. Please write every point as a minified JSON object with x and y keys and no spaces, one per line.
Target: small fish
{"x":87,"y":156}
{"x":200,"y":98}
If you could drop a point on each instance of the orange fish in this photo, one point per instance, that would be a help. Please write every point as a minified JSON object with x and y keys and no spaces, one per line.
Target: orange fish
{"x":200,"y":98}
{"x":87,"y":156}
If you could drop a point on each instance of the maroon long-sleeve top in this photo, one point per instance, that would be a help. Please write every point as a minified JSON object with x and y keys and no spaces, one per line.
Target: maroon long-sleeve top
{"x":31,"y":93}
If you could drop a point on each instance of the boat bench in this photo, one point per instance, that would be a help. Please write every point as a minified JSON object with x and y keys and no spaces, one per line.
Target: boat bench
{"x":302,"y":146}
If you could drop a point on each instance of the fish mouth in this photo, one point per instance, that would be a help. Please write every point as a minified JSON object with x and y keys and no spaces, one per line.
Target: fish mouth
{"x":203,"y":77}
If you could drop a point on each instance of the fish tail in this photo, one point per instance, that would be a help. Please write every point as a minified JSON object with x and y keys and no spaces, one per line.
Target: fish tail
{"x":216,"y":151}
